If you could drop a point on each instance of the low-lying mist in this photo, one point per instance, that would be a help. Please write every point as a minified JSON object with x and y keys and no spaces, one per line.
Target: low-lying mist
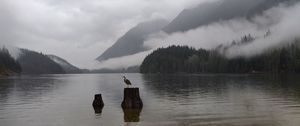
{"x":121,"y":62}
{"x":283,"y":22}
{"x":13,"y":51}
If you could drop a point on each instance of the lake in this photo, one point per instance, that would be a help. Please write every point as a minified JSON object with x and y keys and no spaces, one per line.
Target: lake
{"x":169,"y":100}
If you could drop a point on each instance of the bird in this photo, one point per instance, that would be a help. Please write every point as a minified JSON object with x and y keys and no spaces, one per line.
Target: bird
{"x":127,"y":82}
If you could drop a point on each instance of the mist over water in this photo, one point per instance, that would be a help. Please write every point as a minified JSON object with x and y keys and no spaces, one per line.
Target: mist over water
{"x":169,"y":100}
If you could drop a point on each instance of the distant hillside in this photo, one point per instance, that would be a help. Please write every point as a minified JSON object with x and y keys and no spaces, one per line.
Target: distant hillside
{"x":8,"y":65}
{"x":192,"y":18}
{"x":133,"y":69}
{"x":177,"y":59}
{"x":211,"y":12}
{"x":68,"y":68}
{"x":38,"y":63}
{"x":132,"y":41}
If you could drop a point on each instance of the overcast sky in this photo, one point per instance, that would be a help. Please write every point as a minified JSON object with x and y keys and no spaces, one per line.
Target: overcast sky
{"x":78,"y":30}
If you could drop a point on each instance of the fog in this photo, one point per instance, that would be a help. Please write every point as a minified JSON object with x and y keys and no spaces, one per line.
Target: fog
{"x":121,"y":62}
{"x":78,"y":30}
{"x":282,"y":21}
{"x":284,"y":31}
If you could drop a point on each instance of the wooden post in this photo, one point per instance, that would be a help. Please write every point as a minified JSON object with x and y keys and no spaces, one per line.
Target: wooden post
{"x":98,"y":103}
{"x":132,"y":99}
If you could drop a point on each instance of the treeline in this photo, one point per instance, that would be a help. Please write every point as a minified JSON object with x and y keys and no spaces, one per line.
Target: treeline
{"x":8,"y":65}
{"x":38,"y":63}
{"x":31,"y":62}
{"x":176,"y":59}
{"x":67,"y":67}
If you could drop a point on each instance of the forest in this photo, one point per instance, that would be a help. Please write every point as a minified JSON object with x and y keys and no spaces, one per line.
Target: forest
{"x":184,"y":59}
{"x":8,"y":65}
{"x":38,"y":63}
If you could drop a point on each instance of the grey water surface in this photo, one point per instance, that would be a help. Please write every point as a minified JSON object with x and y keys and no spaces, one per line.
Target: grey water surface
{"x":169,"y":100}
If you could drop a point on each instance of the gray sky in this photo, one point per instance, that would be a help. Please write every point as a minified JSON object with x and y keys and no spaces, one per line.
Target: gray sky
{"x":78,"y":30}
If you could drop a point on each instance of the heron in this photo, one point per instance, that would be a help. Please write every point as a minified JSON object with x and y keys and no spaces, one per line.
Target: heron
{"x":127,"y":82}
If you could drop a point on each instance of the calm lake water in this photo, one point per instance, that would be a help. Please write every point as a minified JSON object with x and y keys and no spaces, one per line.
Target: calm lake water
{"x":169,"y":100}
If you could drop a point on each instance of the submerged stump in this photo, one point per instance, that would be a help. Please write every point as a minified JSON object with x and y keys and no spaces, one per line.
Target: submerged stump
{"x":98,"y":103}
{"x":132,"y":99}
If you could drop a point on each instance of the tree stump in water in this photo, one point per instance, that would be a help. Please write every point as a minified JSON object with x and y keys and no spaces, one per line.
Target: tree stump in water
{"x":132,"y":99}
{"x":98,"y":103}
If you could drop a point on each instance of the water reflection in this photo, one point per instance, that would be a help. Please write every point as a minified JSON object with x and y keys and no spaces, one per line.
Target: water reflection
{"x":98,"y":110}
{"x":218,"y":100}
{"x":25,"y":89}
{"x":169,"y":100}
{"x":132,"y":115}
{"x":6,"y":87}
{"x":184,"y":85}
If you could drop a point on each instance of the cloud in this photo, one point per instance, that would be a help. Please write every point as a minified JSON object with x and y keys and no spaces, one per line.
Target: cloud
{"x":80,"y":31}
{"x":121,"y":62}
{"x":281,"y":20}
{"x":84,"y":28}
{"x":284,"y":31}
{"x":206,"y":36}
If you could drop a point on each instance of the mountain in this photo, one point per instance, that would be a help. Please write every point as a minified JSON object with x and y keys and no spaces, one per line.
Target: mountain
{"x":210,"y":12}
{"x":132,"y":41}
{"x":68,"y":68}
{"x":38,"y":63}
{"x":8,"y":65}
{"x":203,"y":14}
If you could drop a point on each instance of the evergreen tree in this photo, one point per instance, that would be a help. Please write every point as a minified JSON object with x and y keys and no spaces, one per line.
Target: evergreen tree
{"x":8,"y":64}
{"x":176,"y":59}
